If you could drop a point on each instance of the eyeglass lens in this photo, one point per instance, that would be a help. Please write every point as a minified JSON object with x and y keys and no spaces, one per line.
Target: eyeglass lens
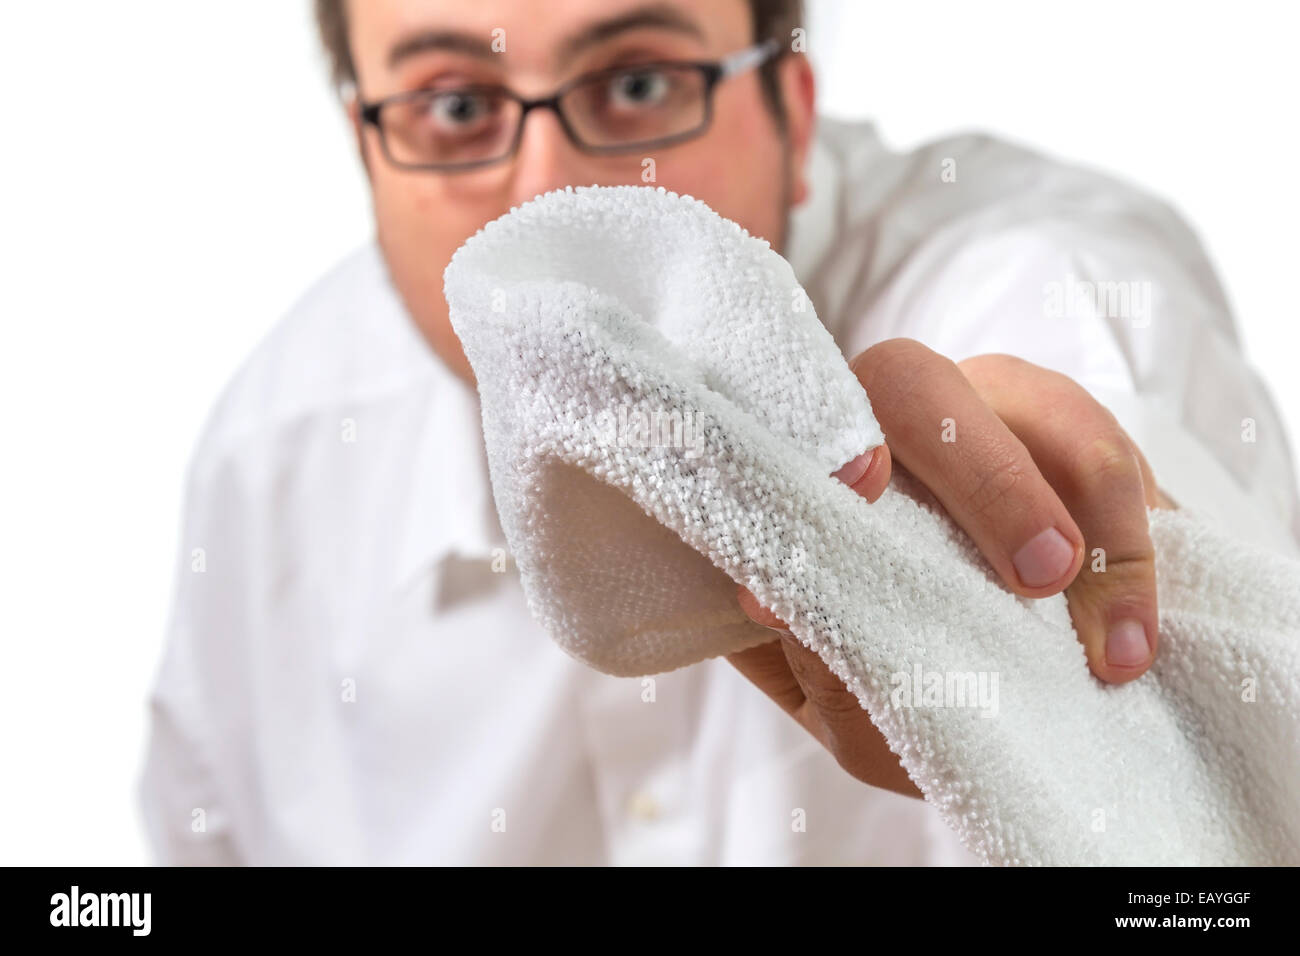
{"x":616,"y":110}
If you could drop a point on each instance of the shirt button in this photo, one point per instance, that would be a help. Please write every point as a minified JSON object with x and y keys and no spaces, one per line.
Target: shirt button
{"x":643,"y":806}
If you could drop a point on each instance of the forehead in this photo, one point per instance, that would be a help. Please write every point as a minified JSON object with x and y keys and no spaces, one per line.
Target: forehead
{"x":539,"y":35}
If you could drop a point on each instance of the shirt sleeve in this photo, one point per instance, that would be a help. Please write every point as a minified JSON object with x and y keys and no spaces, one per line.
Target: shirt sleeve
{"x":1127,"y":305}
{"x":185,"y":815}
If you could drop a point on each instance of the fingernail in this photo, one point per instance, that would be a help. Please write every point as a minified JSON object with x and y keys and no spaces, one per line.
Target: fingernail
{"x":1126,"y":644}
{"x":1044,"y":559}
{"x":852,"y":473}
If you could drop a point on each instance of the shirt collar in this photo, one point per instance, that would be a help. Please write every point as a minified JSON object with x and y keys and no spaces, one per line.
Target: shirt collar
{"x":448,"y":509}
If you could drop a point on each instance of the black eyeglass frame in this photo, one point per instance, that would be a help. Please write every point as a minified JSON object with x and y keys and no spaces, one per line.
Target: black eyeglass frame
{"x":713,"y":71}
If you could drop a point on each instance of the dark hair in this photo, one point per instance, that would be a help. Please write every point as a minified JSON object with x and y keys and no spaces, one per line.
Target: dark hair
{"x":772,"y":19}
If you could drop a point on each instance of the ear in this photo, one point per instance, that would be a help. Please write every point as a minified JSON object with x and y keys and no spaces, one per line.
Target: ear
{"x":798,"y":93}
{"x":352,"y":106}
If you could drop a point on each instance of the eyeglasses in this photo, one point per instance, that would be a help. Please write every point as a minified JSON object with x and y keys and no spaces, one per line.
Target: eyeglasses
{"x":620,"y":110}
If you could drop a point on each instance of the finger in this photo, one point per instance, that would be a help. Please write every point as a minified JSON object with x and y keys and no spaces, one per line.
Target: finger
{"x":1108,"y":485}
{"x":1152,"y":493}
{"x":942,"y":432}
{"x":868,"y":475}
{"x":767,"y":669}
{"x":806,"y":689}
{"x":756,"y":612}
{"x":837,"y":719}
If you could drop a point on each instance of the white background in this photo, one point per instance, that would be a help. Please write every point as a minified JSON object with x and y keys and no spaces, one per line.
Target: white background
{"x":175,"y":174}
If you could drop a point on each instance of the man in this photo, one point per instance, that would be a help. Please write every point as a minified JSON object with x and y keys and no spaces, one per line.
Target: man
{"x":351,"y":673}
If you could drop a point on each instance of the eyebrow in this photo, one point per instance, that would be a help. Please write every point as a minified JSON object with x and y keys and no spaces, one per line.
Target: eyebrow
{"x":427,"y":40}
{"x":660,"y":16}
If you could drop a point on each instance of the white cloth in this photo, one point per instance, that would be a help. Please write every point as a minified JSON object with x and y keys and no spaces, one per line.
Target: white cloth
{"x":968,"y":244}
{"x":662,"y":416}
{"x":327,"y":560}
{"x":371,"y":560}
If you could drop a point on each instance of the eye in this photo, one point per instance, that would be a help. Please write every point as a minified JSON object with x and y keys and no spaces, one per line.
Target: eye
{"x":460,"y":108}
{"x":638,"y":88}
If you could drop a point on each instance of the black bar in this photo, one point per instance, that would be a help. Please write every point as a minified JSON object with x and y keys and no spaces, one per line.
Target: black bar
{"x":334,"y":905}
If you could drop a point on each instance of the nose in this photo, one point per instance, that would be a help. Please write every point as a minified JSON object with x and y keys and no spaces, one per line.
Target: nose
{"x":547,"y":159}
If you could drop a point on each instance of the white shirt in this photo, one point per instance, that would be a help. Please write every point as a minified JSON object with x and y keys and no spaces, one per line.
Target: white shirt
{"x":351,"y":674}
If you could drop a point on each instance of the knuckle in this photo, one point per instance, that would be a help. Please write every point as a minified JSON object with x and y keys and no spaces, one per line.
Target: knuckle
{"x":1107,"y":462}
{"x":837,"y":705}
{"x":864,"y":364}
{"x":887,"y":349}
{"x":996,"y":362}
{"x":928,"y":364}
{"x":898,"y":376}
{"x":888,"y":359}
{"x":822,"y":688}
{"x":995,"y":486}
{"x":1127,"y":576}
{"x":1136,"y":563}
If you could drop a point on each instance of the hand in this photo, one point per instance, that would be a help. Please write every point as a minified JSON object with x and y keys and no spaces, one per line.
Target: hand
{"x":1039,"y":475}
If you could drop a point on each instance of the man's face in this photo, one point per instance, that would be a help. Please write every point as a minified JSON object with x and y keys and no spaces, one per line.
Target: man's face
{"x":742,"y":166}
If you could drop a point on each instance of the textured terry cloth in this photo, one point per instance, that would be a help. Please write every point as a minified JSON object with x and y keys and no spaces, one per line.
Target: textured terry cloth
{"x":591,"y":314}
